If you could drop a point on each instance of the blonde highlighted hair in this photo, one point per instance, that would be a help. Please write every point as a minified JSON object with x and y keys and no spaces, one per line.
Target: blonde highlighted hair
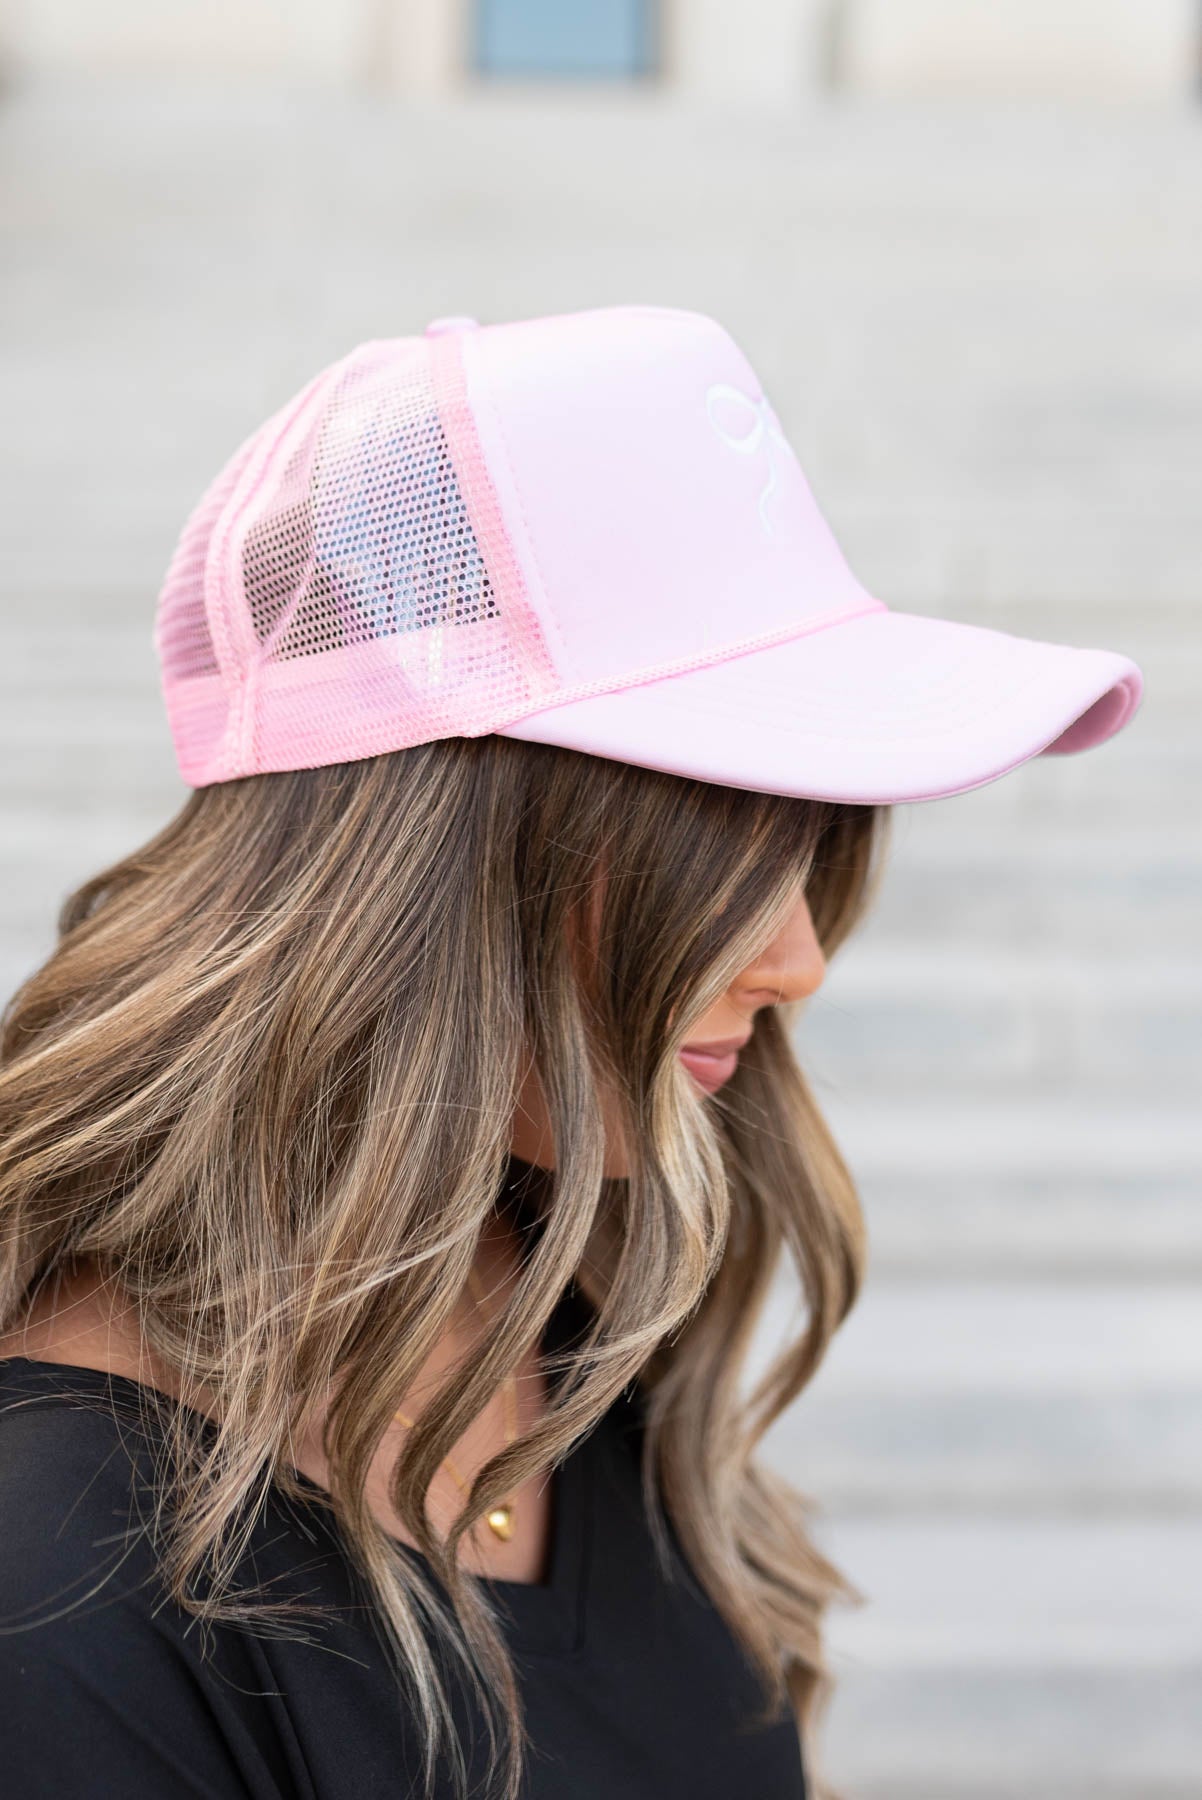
{"x":266,"y":1082}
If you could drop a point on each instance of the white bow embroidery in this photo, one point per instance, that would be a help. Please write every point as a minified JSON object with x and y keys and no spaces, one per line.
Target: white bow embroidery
{"x":763,"y":433}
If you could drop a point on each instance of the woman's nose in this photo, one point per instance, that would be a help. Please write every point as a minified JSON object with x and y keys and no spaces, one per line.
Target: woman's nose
{"x":791,"y":967}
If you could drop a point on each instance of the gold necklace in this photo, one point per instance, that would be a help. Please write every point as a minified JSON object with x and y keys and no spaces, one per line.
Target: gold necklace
{"x":500,"y":1519}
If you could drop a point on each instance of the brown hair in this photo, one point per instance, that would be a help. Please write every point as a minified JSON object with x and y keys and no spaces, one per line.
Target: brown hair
{"x":266,"y":1081}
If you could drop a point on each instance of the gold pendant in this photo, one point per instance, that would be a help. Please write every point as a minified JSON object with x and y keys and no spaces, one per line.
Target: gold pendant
{"x":500,"y":1522}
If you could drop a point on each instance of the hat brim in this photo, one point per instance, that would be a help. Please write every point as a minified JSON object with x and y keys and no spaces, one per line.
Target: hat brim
{"x":883,"y":708}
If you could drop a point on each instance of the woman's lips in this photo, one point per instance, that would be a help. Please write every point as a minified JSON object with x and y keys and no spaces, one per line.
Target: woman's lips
{"x":710,"y":1068}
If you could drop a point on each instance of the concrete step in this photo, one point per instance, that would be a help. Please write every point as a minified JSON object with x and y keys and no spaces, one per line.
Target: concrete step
{"x":1004,"y":1184}
{"x":1001,"y":1657}
{"x":916,"y":1015}
{"x":1080,"y":1223}
{"x":1067,"y":1455}
{"x":1013,"y":1397}
{"x":1040,"y":882}
{"x":997,"y":1139}
{"x":1008,"y":1338}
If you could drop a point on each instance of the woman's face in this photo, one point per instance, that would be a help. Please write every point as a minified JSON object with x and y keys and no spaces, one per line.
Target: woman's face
{"x":790,"y":967}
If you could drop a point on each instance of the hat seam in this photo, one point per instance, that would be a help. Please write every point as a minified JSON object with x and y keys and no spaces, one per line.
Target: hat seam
{"x":650,"y":674}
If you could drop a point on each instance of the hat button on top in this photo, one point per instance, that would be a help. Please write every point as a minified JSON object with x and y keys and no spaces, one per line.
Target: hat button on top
{"x":455,"y":322}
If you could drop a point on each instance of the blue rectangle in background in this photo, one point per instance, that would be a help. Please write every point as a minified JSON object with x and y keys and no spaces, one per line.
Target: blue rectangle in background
{"x":565,"y":37}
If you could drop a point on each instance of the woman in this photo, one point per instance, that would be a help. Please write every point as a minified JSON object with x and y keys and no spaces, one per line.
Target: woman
{"x":396,"y":1152}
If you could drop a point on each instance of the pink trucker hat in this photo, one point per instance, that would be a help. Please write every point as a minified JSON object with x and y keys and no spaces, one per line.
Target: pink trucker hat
{"x":586,"y":530}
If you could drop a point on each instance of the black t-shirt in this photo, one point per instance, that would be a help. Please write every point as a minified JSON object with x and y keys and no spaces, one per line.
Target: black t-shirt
{"x":633,"y":1687}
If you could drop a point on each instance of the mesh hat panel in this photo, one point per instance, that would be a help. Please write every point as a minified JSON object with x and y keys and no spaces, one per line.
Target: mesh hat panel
{"x":348,"y":544}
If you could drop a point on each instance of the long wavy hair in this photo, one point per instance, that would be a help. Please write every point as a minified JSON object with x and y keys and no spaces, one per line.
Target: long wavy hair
{"x":265,"y":1083}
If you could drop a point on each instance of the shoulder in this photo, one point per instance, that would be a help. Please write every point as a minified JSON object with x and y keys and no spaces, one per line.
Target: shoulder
{"x":107,"y":1688}
{"x":75,"y":1469}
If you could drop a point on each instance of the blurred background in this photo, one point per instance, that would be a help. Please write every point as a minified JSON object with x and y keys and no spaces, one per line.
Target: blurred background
{"x":961,"y":242}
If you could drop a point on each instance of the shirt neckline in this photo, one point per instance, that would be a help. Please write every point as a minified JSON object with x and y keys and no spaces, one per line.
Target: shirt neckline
{"x":538,"y":1618}
{"x":542,"y":1617}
